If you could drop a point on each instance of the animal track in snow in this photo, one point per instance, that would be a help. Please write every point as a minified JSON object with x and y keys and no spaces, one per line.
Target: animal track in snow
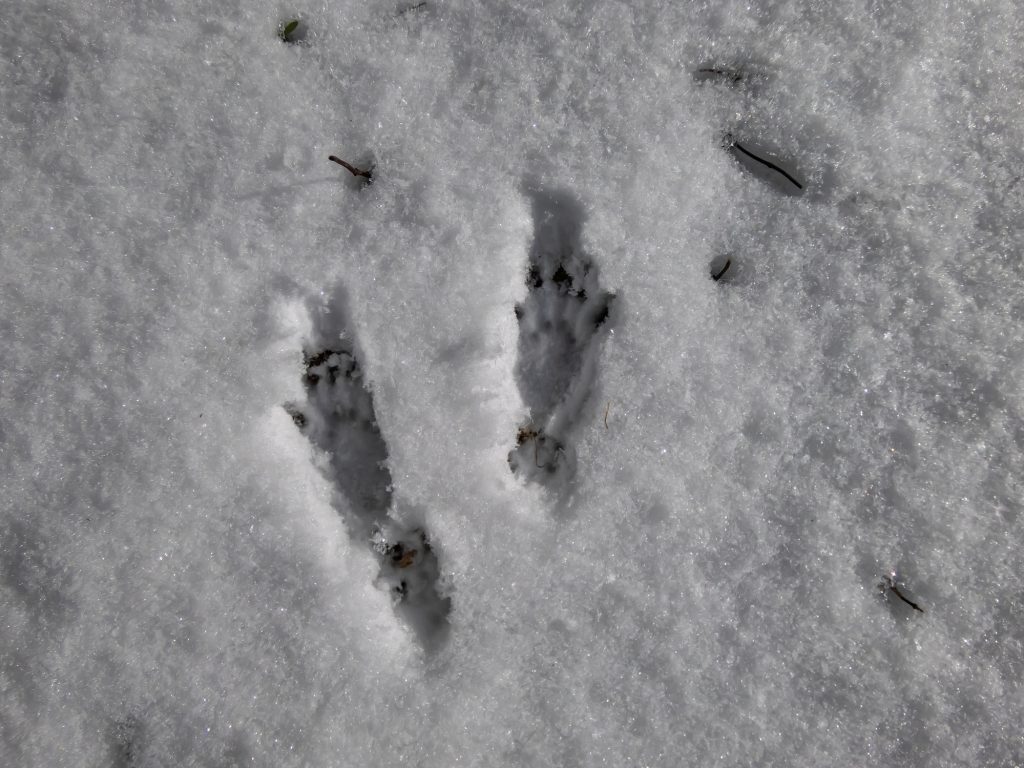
{"x":558,"y":340}
{"x":339,"y":418}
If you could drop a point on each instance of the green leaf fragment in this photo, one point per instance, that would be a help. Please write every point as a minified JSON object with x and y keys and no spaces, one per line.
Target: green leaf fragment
{"x":288,"y":29}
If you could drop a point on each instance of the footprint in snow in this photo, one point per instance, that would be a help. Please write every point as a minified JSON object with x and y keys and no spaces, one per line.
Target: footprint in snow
{"x":339,"y":418}
{"x":561,"y":324}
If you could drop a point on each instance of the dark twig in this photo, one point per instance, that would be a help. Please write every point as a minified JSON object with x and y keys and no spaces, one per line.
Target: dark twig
{"x":368,"y":175}
{"x":731,"y":142}
{"x":412,"y":8}
{"x":718,"y":276}
{"x":889,"y":582}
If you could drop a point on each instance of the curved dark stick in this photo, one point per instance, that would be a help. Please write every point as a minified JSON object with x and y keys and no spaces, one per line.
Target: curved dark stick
{"x":351,"y":169}
{"x":912,"y":604}
{"x":762,"y":161}
{"x":728,"y":263}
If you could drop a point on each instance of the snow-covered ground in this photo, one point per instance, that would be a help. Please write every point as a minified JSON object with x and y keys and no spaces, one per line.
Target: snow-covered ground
{"x":476,"y":464}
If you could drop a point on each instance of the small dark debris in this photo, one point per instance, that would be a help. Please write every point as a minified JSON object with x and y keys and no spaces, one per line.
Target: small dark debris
{"x":526,"y":433}
{"x":291,"y":32}
{"x":407,"y":559}
{"x":716,"y":276}
{"x":533,"y":278}
{"x":561,"y":277}
{"x":889,"y":584}
{"x":602,"y":315}
{"x":334,"y":361}
{"x":297,"y":416}
{"x":719,"y":73}
{"x":366,"y":174}
{"x":551,"y":448}
{"x":312,"y":361}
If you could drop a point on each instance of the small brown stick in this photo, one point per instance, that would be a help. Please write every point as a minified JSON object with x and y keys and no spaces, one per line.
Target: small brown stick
{"x":368,"y":175}
{"x":889,"y":582}
{"x":911,"y":603}
{"x":728,"y":263}
{"x":606,"y":414}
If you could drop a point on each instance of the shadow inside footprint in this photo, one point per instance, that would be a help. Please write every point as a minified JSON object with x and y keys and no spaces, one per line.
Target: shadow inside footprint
{"x":339,"y":418}
{"x":558,"y":347}
{"x":125,"y":751}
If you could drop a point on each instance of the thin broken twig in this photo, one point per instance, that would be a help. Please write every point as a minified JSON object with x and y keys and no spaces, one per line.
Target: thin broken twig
{"x":889,"y":583}
{"x":731,"y":142}
{"x":368,"y":175}
{"x":717,"y":277}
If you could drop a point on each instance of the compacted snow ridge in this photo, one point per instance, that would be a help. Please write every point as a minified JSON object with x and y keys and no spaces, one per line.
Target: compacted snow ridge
{"x":559,"y":339}
{"x":338,"y":417}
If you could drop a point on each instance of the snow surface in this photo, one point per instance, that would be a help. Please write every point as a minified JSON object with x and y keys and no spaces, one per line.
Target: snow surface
{"x":669,"y":557}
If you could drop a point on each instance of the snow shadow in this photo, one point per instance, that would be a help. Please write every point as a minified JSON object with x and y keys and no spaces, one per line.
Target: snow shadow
{"x":125,"y":749}
{"x":558,"y":338}
{"x":339,"y":418}
{"x":31,"y":574}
